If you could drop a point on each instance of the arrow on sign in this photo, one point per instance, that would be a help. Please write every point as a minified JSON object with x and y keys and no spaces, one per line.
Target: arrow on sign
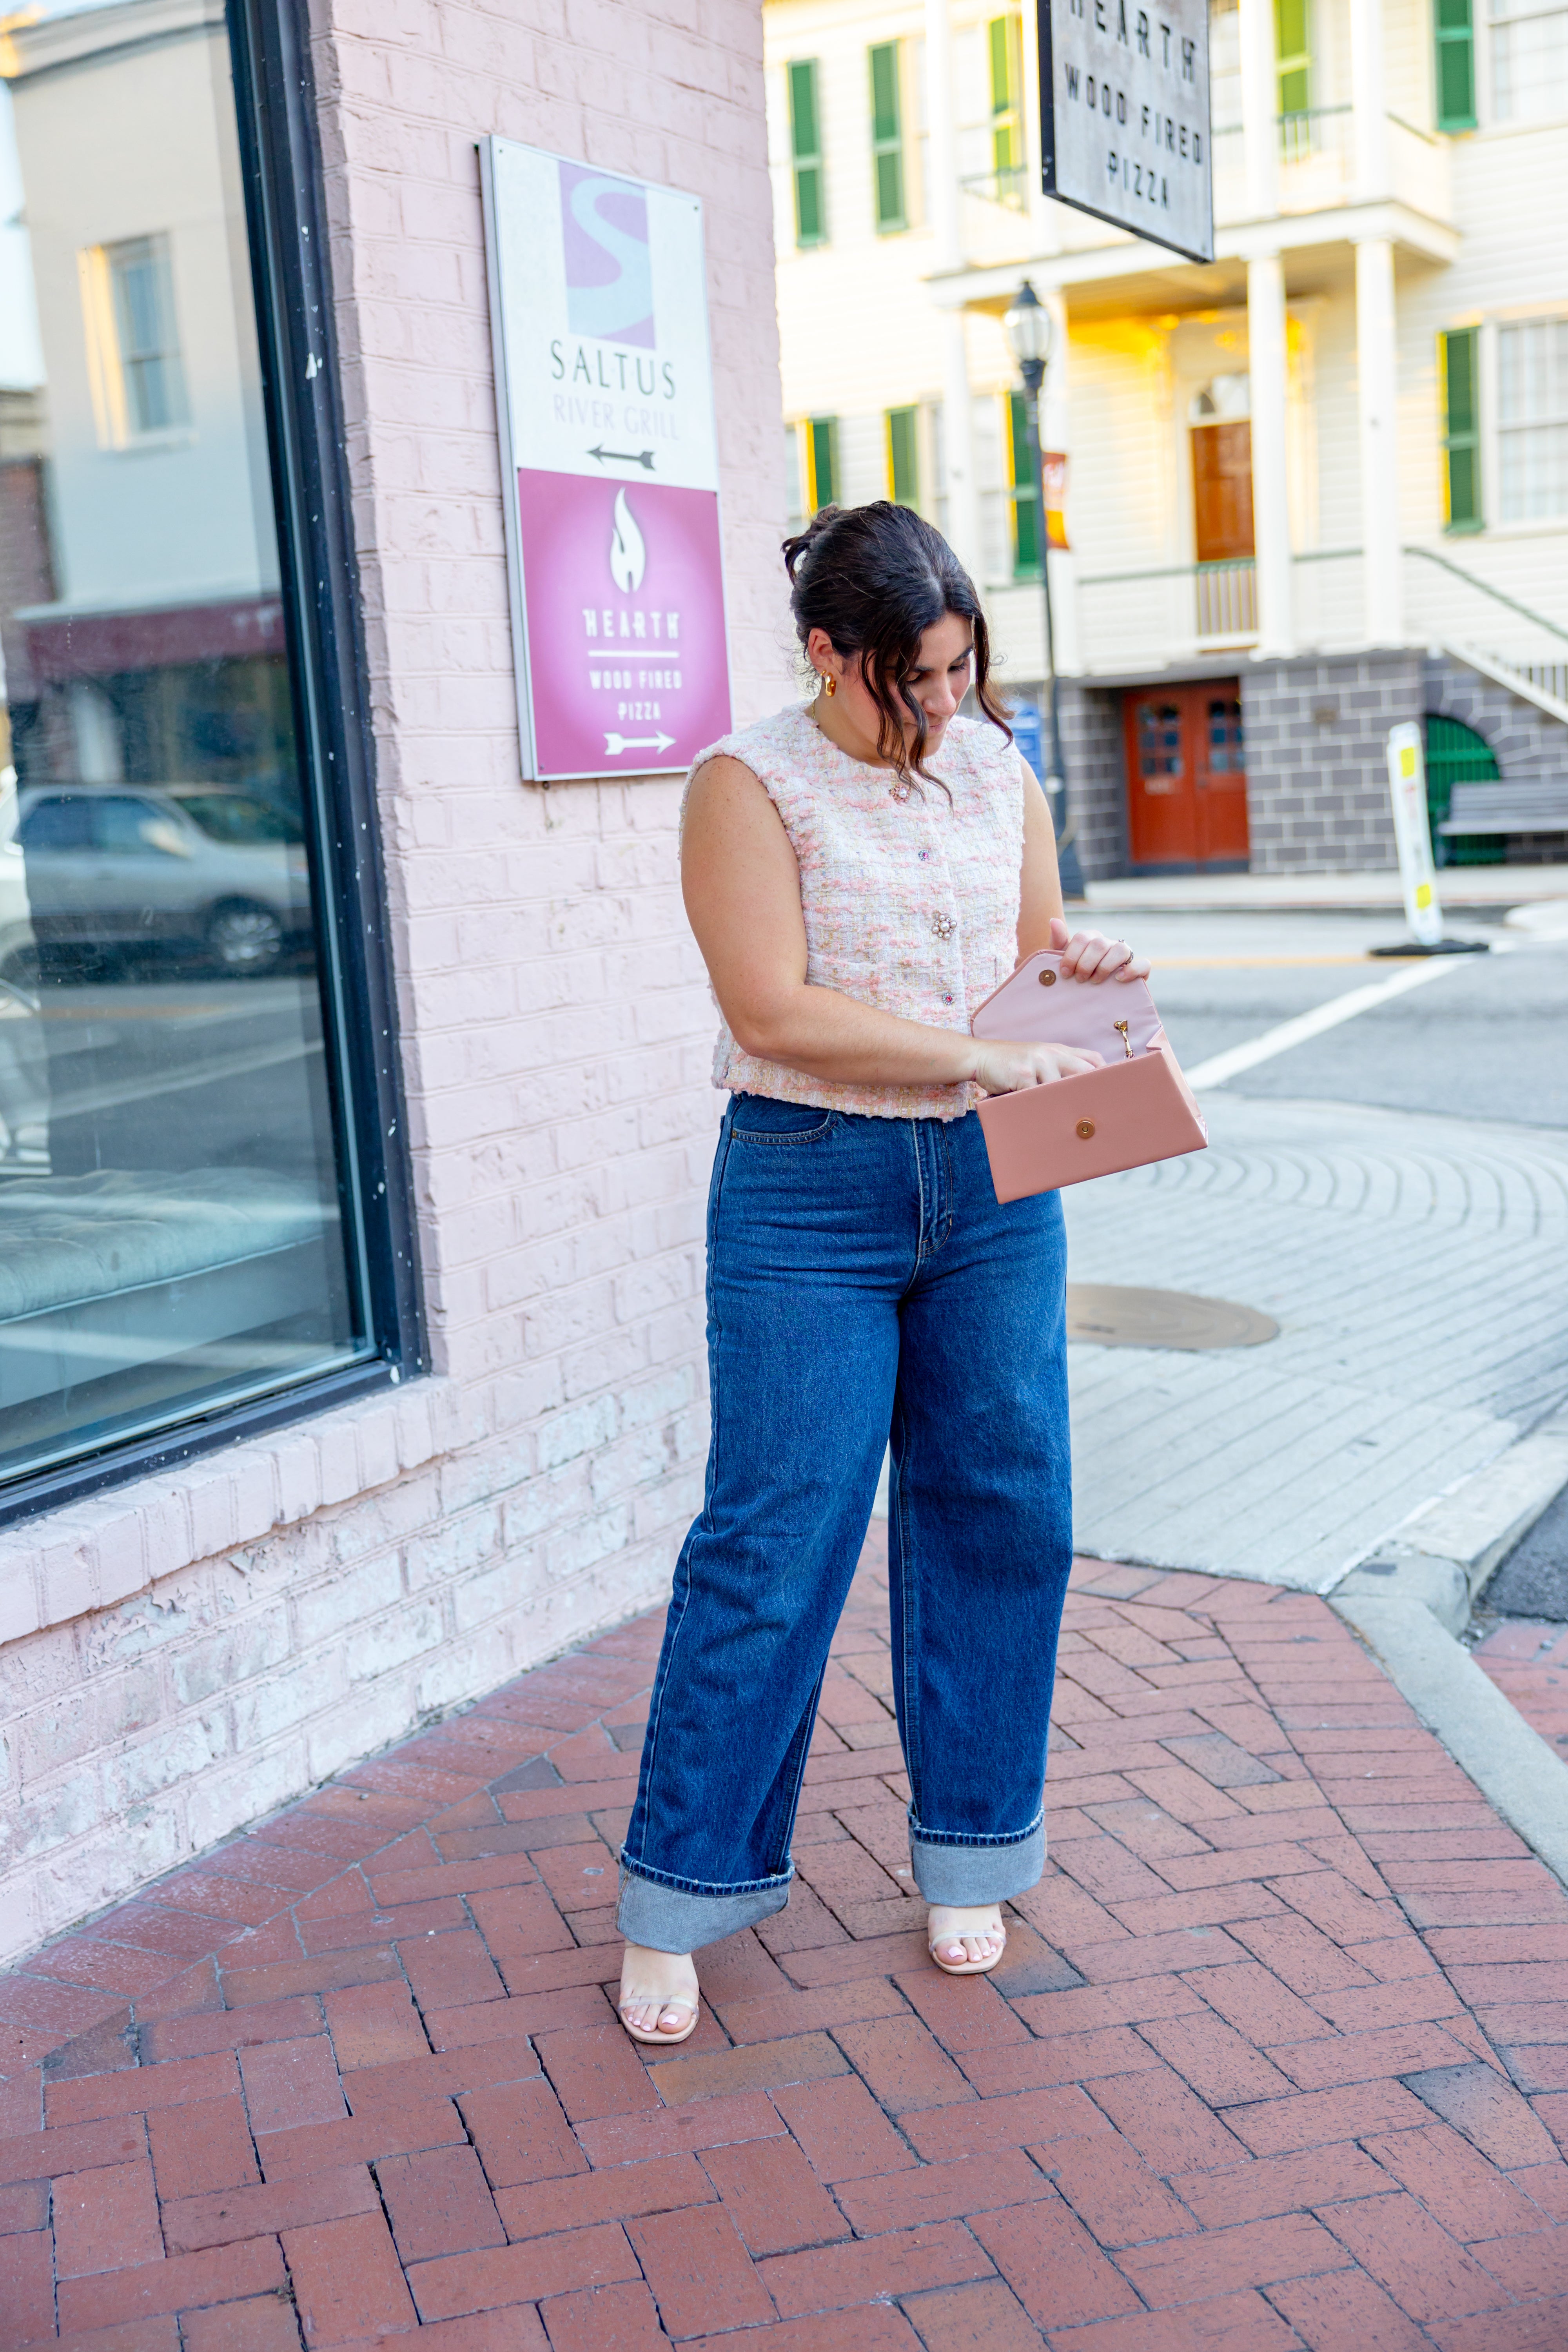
{"x":643,"y":457}
{"x":616,"y":744}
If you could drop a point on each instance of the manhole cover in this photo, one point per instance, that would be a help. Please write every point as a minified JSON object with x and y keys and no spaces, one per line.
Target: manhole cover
{"x":1117,"y":1317}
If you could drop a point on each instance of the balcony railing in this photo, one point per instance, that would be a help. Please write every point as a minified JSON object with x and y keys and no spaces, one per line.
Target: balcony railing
{"x":1132,"y":620}
{"x":1008,"y":186}
{"x":1228,"y":599}
{"x":1317,"y":170}
{"x":1172,"y":613}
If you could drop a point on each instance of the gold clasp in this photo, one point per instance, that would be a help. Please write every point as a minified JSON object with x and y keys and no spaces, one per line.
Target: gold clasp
{"x":1121,"y":1029}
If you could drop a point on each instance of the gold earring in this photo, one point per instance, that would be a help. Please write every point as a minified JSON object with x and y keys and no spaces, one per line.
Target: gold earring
{"x":829,"y":684}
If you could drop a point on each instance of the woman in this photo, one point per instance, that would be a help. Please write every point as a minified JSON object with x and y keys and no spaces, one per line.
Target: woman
{"x":860,"y":874}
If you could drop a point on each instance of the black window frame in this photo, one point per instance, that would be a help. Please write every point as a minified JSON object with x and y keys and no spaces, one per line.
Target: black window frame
{"x":286,"y":222}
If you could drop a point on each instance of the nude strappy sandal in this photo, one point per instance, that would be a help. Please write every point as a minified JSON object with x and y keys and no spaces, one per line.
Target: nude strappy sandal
{"x":655,"y":2039}
{"x":969,"y":1967}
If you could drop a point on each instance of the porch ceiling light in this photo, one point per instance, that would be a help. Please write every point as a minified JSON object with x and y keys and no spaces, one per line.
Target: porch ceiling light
{"x":1030,"y":332}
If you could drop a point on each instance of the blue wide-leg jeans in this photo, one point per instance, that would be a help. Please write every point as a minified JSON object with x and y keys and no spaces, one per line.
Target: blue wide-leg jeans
{"x":865,"y":1287}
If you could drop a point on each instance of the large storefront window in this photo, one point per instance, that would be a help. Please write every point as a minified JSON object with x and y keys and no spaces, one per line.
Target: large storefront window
{"x":176,"y":1230}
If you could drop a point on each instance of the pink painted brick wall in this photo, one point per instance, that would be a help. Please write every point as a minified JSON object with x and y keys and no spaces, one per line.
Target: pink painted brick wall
{"x":183,"y":1653}
{"x":555,"y":1005}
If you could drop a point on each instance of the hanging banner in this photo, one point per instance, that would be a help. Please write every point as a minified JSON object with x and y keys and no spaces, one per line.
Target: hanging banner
{"x":1054,"y":467}
{"x":605,"y":395}
{"x":1124,"y":117}
{"x":1412,"y":832}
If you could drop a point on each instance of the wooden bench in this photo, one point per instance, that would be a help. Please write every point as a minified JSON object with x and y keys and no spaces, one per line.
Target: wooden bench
{"x":1507,"y":808}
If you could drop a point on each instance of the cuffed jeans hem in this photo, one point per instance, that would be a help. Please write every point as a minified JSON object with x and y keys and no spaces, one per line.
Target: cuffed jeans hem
{"x":969,"y":1875}
{"x":667,"y":1919}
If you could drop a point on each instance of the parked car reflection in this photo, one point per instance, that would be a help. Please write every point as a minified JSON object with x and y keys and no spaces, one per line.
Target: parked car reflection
{"x":192,"y":869}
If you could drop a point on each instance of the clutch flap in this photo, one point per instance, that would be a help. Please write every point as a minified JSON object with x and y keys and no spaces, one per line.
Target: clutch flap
{"x":1039,"y":1004}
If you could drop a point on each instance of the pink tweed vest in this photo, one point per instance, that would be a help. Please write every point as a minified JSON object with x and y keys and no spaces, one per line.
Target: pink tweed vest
{"x":911,"y":903}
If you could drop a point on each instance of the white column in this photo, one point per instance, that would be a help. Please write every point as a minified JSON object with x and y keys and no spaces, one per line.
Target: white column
{"x":1045,"y":220}
{"x":1369,"y":102}
{"x":958,"y":446}
{"x":941,"y":140}
{"x":1270,"y":496}
{"x":1377,"y":389}
{"x":947,"y":253}
{"x":1260,"y":107}
{"x":1055,"y":434}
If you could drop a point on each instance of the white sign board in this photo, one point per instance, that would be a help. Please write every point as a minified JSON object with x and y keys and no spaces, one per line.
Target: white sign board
{"x":1412,"y":832}
{"x":609,"y":465}
{"x":1124,"y":116}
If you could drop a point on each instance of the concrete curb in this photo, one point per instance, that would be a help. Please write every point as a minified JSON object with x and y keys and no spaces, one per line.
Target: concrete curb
{"x":1409,"y":1604}
{"x":1443,"y":1555}
{"x":1512,"y":1765}
{"x":1485,"y":1515}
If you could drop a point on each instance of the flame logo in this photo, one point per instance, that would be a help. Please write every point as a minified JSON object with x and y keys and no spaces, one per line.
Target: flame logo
{"x":629,"y":555}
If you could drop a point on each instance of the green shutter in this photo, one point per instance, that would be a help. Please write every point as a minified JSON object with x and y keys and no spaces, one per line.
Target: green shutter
{"x":1006,"y":81}
{"x":1456,"y":42}
{"x":1461,"y":430}
{"x":805,"y":151}
{"x":821,"y":461}
{"x":903,"y":457}
{"x":1293,"y":55}
{"x":1023,"y":489}
{"x":887,"y":137}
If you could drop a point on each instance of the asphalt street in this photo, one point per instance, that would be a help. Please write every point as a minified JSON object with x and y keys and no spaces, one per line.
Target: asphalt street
{"x":1392,"y":1191}
{"x":1488,"y":1040}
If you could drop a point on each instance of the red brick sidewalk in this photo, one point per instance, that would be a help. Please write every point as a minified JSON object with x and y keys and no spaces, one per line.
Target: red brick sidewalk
{"x":1527,"y":1657}
{"x":1247,"y":2078}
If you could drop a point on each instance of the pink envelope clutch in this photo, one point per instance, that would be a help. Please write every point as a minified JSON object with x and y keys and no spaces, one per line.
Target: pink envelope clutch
{"x":1137,"y":1108}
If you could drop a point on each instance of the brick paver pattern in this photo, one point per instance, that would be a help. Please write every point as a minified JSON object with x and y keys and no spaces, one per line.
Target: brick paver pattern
{"x":1527,"y":1657}
{"x":1277,"y":2056}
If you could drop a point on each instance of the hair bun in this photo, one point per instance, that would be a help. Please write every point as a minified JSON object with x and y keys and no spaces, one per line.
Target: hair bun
{"x":874,"y":579}
{"x":802,"y":542}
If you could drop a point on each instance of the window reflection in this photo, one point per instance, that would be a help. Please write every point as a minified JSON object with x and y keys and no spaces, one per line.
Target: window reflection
{"x":170,"y":1226}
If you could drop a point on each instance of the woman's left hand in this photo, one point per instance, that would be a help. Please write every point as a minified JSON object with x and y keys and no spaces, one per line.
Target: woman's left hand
{"x":1090,"y":955}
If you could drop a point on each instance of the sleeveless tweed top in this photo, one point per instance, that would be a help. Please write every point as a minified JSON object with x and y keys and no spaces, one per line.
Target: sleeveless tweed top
{"x":911,"y":905}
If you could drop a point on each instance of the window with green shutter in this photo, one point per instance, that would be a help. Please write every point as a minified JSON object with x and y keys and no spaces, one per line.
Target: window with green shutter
{"x":887,"y":137}
{"x":1293,"y":57}
{"x":1023,"y":492}
{"x":1006,"y":106}
{"x":1457,"y":355}
{"x":806,"y":154}
{"x":903,"y":457}
{"x":821,"y":462}
{"x":1455,"y":40}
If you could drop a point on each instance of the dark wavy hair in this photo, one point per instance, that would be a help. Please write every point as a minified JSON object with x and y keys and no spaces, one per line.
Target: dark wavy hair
{"x":875,"y":579}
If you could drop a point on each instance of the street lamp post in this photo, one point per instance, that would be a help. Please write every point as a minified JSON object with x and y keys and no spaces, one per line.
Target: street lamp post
{"x":1029,"y":334}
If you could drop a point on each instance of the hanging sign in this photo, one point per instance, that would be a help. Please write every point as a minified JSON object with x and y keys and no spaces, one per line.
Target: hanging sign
{"x":604,"y":395}
{"x":1124,"y":116}
{"x":1054,"y":469}
{"x":1412,"y":832}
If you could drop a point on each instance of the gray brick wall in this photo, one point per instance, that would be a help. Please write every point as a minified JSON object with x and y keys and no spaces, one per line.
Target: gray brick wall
{"x":1091,"y":748}
{"x":1525,"y":740}
{"x":1091,"y":745}
{"x":1317,"y":773}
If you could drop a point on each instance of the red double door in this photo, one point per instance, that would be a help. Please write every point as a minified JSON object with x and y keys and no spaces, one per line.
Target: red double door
{"x":1186,"y":775}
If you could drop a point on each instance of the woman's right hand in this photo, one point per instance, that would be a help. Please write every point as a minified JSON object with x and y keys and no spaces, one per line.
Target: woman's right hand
{"x":1003,"y":1070}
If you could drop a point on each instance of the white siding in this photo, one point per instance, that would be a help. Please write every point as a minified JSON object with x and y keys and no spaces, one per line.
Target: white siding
{"x":858,"y":334}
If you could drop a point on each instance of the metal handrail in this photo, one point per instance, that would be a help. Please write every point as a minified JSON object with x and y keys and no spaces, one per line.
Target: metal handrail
{"x":1430,"y":555}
